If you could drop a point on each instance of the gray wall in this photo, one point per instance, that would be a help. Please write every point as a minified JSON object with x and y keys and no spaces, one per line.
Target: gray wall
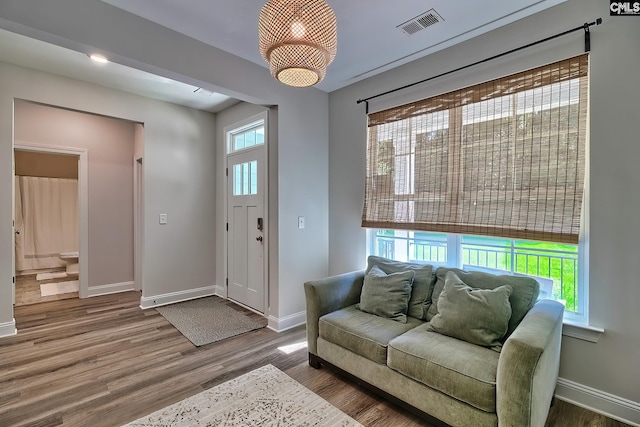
{"x":109,"y":145}
{"x":611,"y":365}
{"x":179,"y":154}
{"x":311,"y":259}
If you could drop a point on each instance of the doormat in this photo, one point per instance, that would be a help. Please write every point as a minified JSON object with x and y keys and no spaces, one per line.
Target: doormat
{"x":58,"y":288}
{"x":263,"y":397}
{"x":208,"y":320}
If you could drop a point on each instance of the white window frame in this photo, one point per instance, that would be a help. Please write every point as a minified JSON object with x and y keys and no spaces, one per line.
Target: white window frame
{"x":254,"y":124}
{"x":454,"y":259}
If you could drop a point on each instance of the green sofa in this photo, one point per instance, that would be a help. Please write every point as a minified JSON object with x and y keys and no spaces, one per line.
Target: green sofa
{"x":455,"y":382}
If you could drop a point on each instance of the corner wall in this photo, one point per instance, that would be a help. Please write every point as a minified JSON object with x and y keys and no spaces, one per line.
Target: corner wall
{"x":604,"y":375}
{"x":109,"y":145}
{"x":295,"y":189}
{"x":178,"y":172}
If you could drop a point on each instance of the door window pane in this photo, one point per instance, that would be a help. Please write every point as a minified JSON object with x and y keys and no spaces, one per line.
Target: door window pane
{"x":254,"y":177}
{"x":245,"y":178}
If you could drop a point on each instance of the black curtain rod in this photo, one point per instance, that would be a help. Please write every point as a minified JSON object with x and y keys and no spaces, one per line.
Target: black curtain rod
{"x":587,"y":48}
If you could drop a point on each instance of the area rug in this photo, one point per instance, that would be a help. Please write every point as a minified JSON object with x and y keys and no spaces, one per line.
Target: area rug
{"x":266,"y":397}
{"x":207,"y":320}
{"x":58,"y":288}
{"x":52,"y":275}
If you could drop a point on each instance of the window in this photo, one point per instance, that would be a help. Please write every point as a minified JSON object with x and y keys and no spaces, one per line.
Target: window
{"x":245,"y":178}
{"x":554,"y":265}
{"x":246,"y":137}
{"x":487,"y":177}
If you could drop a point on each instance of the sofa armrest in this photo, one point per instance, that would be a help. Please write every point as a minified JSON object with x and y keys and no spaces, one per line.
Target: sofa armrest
{"x":528,"y":367}
{"x":329,"y":294}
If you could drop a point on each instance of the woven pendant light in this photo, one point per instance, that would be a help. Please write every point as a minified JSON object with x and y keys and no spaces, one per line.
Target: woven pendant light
{"x":298,"y":39}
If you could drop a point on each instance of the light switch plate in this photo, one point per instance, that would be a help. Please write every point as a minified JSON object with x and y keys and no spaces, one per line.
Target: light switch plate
{"x":300,"y":222}
{"x":163,"y":219}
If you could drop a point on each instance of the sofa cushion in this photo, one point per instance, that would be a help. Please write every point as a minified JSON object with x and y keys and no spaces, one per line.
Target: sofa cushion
{"x":365,"y":334}
{"x":524,"y":295}
{"x":386,"y":295}
{"x":423,"y":282}
{"x":464,"y":371}
{"x":478,"y":316}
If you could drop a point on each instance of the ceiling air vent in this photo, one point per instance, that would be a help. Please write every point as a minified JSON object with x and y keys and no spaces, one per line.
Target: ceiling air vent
{"x":203,"y":92}
{"x":420,"y":22}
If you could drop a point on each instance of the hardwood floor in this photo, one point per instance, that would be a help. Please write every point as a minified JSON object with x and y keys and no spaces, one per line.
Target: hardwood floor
{"x":28,"y":290}
{"x":104,"y":362}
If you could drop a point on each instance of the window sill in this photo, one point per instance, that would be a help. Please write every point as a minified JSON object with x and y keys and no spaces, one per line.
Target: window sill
{"x":581,"y":331}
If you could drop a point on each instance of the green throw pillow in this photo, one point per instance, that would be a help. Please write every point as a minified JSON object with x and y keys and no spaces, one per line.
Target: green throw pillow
{"x":524,"y":295}
{"x":423,"y":281}
{"x":478,"y":316}
{"x":386,"y":295}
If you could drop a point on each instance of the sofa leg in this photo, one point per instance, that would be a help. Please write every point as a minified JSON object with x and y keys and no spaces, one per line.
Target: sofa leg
{"x":314,"y":361}
{"x":553,"y":401}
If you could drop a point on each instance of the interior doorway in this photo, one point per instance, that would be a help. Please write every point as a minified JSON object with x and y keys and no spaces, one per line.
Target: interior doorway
{"x":247,"y":236}
{"x":48,"y":260}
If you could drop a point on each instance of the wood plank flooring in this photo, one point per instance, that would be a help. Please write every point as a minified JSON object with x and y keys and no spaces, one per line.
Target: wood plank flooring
{"x":104,"y":362}
{"x":28,"y":289}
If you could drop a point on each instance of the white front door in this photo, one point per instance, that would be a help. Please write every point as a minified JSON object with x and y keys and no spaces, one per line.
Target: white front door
{"x":246,"y":237}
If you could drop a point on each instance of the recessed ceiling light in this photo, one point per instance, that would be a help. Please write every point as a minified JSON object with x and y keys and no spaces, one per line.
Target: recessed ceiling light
{"x":98,"y":58}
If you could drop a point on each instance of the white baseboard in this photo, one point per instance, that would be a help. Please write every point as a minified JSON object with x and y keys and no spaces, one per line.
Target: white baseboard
{"x":8,"y":329}
{"x":598,"y":401}
{"x":173,"y":297}
{"x":112,"y":288}
{"x":281,"y":324}
{"x":221,"y":291}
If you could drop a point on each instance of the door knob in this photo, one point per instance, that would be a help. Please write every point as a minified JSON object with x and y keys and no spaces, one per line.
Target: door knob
{"x":259,"y":238}
{"x":17,"y":231}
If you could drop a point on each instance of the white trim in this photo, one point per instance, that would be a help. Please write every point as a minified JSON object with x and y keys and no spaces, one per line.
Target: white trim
{"x":8,"y":329}
{"x":138,"y":221}
{"x":581,"y":331}
{"x":246,"y":307}
{"x":607,"y":404}
{"x":83,"y":201}
{"x":287,"y":322}
{"x":244,"y":125}
{"x":173,"y":297}
{"x":221,"y":291}
{"x":111,"y":288}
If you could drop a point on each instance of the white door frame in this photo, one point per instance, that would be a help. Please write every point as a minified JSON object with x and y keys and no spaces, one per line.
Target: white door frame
{"x":83,"y":201}
{"x":265,"y":176}
{"x":138,"y":222}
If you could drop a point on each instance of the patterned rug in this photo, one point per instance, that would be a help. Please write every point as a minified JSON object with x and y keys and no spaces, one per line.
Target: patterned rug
{"x":208,"y":320}
{"x":266,"y":397}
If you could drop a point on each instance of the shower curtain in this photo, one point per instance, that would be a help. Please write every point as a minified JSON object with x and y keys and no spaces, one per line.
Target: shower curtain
{"x":46,"y":216}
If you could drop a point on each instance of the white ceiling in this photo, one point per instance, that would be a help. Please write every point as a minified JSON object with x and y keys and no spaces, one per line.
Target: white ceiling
{"x":368,"y":40}
{"x":35,"y":54}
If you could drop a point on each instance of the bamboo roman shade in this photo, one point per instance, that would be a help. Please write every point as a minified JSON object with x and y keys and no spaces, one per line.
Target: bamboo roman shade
{"x":504,"y":158}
